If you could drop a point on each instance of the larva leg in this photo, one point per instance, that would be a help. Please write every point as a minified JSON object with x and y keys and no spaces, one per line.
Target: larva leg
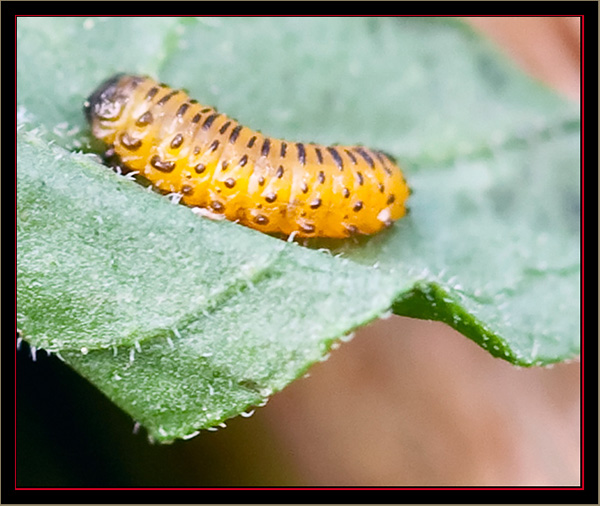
{"x":207,"y":213}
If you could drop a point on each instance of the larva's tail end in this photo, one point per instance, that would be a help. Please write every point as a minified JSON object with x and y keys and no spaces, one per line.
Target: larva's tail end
{"x":100,"y":94}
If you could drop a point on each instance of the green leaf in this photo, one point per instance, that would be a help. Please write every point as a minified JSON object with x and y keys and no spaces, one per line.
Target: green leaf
{"x":185,"y":322}
{"x":182,"y":321}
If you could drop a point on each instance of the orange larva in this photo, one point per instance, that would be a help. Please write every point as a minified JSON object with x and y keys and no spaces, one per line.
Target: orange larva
{"x":229,"y":170}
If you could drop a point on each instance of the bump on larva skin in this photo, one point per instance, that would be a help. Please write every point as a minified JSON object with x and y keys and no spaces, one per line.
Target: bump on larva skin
{"x":271,"y":185}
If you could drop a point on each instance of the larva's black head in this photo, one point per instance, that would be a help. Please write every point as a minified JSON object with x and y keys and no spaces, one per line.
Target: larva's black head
{"x":103,"y":102}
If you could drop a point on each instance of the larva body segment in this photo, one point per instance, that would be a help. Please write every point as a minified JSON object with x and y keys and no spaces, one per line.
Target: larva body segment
{"x":271,"y":185}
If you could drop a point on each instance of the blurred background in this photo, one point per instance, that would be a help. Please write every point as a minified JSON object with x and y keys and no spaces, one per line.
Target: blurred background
{"x":407,"y":402}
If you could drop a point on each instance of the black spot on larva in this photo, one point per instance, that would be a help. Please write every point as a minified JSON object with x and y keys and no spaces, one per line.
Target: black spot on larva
{"x":358,"y":206}
{"x":145,"y":119}
{"x":283,"y":149}
{"x":315,"y":204}
{"x":392,"y":158}
{"x":271,"y":197}
{"x":381,"y":188}
{"x":346,"y":193}
{"x":193,"y":101}
{"x":243,"y":160}
{"x":251,"y":141}
{"x":319,"y":155}
{"x":360,"y":178}
{"x":151,"y":93}
{"x":234,"y":134}
{"x":266,"y":147}
{"x":209,"y":121}
{"x":261,"y":181}
{"x":261,"y":220}
{"x":321,"y":177}
{"x":301,"y":153}
{"x":217,"y":207}
{"x":177,"y":141}
{"x":196,"y":150}
{"x":229,"y":182}
{"x":163,"y":85}
{"x":186,"y":189}
{"x":196,"y":118}
{"x":136,"y":81}
{"x":380,"y":157}
{"x":304,"y":187}
{"x":207,"y":109}
{"x":213,"y":145}
{"x":336,"y":156}
{"x":162,"y":165}
{"x":224,"y":128}
{"x":182,"y":109}
{"x":391,"y":199}
{"x":224,"y":165}
{"x":167,"y":97}
{"x":366,"y":156}
{"x":307,"y":228}
{"x":279,"y":173}
{"x":388,"y":171}
{"x":130,"y":143}
{"x":200,"y":168}
{"x":350,"y":155}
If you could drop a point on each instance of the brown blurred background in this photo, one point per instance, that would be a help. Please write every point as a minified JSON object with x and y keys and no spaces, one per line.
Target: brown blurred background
{"x":409,"y":402}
